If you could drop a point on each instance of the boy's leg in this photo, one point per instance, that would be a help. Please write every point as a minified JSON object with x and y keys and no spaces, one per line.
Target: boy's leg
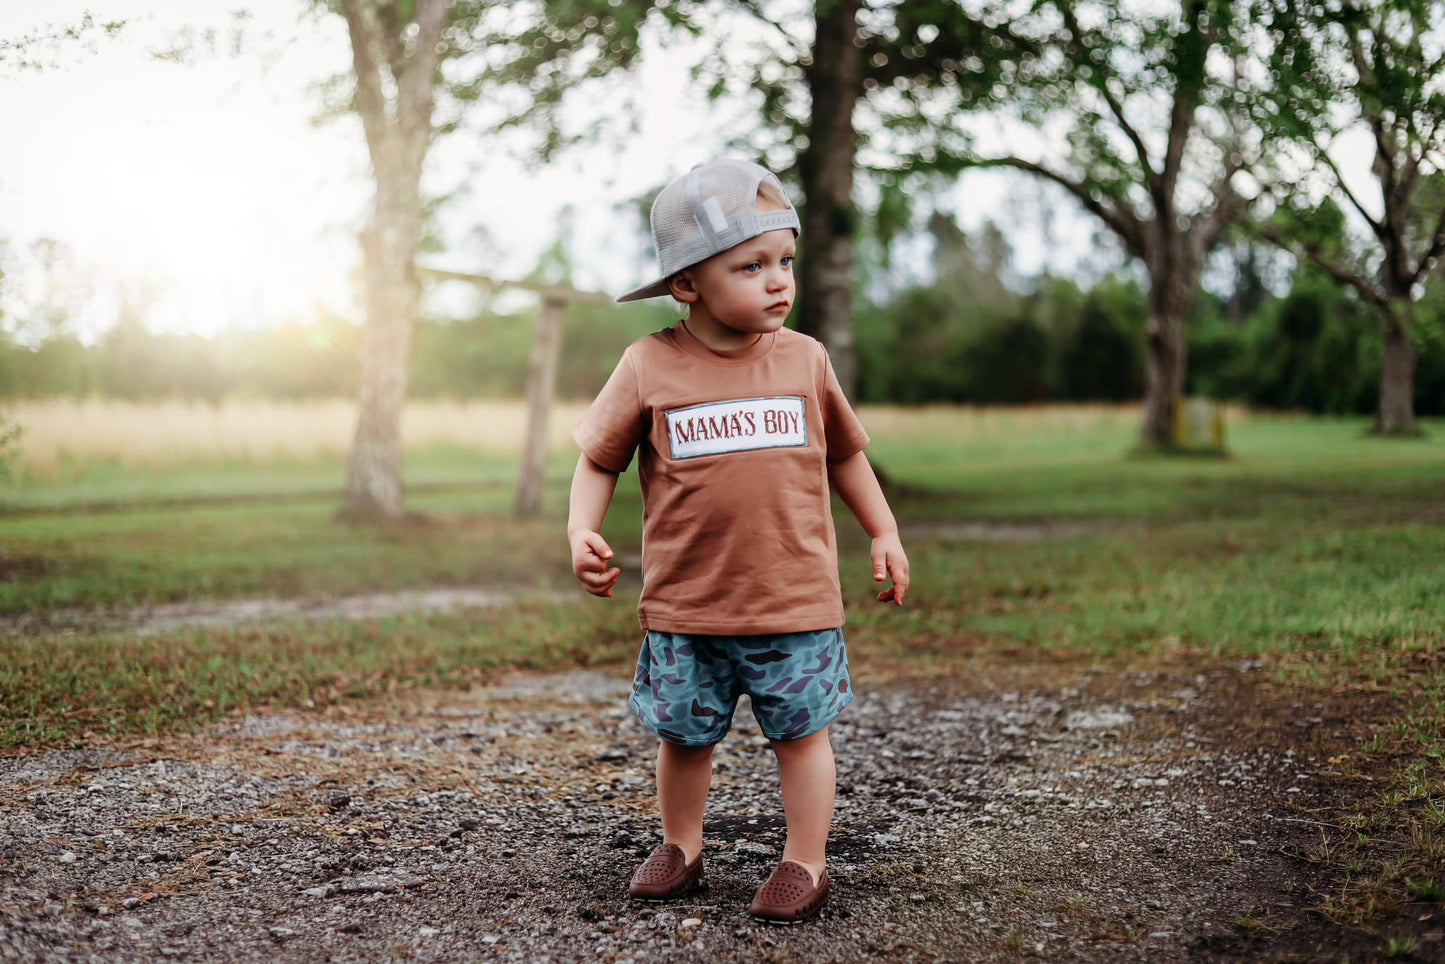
{"x":684,"y":776}
{"x":809,"y":782}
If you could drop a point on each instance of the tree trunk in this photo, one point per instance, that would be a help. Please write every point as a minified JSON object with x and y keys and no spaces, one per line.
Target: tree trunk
{"x":389,"y":246}
{"x":1173,"y":279}
{"x":835,"y":82}
{"x":394,"y":100}
{"x":1396,"y":415}
{"x":1164,"y":380}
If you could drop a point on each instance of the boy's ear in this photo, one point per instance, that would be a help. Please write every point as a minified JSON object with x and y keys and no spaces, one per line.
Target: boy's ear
{"x":682,"y":287}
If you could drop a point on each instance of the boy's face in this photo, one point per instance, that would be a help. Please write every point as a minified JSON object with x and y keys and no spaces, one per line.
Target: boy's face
{"x":745,"y":291}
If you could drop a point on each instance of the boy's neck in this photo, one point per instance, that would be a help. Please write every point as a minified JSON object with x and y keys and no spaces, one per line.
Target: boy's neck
{"x":718,"y":336}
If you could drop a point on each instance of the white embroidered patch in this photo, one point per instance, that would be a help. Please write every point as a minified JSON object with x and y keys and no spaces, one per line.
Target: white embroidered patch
{"x":741,"y":425}
{"x":715,"y":215}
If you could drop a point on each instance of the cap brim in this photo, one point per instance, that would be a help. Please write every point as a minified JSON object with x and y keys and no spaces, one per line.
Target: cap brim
{"x":656,"y":289}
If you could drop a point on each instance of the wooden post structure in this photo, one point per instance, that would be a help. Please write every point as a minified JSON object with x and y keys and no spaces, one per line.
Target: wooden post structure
{"x":541,"y":373}
{"x":541,"y":384}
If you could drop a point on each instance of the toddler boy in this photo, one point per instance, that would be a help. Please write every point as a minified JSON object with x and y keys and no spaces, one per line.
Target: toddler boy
{"x":740,"y":428}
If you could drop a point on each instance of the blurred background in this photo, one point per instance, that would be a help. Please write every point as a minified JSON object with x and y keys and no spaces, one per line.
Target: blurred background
{"x":1026,"y":210}
{"x":269,"y":270}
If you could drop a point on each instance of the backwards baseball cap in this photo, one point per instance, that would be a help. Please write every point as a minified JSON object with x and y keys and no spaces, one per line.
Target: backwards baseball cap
{"x":706,"y":211}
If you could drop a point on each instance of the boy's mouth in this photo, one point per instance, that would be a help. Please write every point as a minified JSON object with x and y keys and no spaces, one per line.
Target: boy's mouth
{"x":779,"y":306}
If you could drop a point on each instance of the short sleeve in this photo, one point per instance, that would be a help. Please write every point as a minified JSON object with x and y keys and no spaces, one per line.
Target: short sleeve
{"x":613,"y":426}
{"x":842,"y":429}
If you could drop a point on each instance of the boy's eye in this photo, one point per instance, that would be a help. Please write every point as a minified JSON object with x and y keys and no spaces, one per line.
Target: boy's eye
{"x":753,"y":267}
{"x":788,"y":261}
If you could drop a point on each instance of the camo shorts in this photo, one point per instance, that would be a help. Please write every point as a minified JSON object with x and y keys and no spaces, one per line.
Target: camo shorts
{"x":687,"y":687}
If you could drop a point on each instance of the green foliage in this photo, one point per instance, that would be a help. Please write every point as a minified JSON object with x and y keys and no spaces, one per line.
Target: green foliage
{"x":41,"y":48}
{"x":963,"y":339}
{"x":1317,"y":349}
{"x":1337,"y":66}
{"x":487,"y":356}
{"x":535,"y":58}
{"x":1104,"y":360}
{"x":967,"y":339}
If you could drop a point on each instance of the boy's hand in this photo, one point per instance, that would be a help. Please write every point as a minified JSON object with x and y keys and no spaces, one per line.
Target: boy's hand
{"x":890,"y":562}
{"x":590,"y":555}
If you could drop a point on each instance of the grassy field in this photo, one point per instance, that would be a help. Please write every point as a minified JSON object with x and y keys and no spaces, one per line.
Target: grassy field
{"x":1314,"y":546}
{"x":1312,"y":538}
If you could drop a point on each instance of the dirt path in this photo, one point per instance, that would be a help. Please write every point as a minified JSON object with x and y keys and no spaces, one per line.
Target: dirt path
{"x":150,"y":620}
{"x":1061,"y":810}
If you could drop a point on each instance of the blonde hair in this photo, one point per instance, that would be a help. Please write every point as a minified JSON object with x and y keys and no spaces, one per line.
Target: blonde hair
{"x":770,"y":193}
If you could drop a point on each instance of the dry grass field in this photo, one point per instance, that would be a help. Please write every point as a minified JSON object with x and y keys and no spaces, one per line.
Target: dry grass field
{"x":159,"y":435}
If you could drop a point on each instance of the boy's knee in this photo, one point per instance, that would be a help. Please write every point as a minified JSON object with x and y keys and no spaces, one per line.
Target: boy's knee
{"x":685,"y":752}
{"x":803,"y":744}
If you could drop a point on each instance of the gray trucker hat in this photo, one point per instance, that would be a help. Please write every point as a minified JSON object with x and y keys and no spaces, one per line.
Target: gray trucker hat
{"x":706,"y":211}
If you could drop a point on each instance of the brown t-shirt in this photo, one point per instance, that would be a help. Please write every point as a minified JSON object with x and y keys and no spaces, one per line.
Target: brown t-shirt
{"x":733,"y":453}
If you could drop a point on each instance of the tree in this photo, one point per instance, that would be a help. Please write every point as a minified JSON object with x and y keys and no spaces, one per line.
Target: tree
{"x":825,"y":167}
{"x":395,"y":52}
{"x":876,"y":77}
{"x":826,"y":78}
{"x":1337,"y":66}
{"x":1142,"y":100}
{"x":864,"y":55}
{"x":409,"y":57}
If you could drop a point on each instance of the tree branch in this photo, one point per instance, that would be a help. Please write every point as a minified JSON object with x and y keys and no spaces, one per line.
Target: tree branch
{"x":391,"y":33}
{"x":370,"y":102}
{"x":1377,"y":226}
{"x":1116,"y":107}
{"x":1180,"y":117}
{"x":1186,"y":101}
{"x":1436,"y":248}
{"x":415,"y":90}
{"x":1123,"y":223}
{"x":800,"y":51}
{"x":1227,"y":204}
{"x":1335,"y":270}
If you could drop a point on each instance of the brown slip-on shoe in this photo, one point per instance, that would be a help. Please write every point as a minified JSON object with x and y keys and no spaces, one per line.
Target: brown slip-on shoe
{"x":665,"y":875}
{"x":789,"y":895}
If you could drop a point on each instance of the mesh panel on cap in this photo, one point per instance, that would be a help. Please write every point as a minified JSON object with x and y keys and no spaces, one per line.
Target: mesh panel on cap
{"x":681,"y":241}
{"x":708,"y":210}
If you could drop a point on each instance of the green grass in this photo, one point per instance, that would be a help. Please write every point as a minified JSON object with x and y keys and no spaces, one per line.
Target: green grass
{"x":1312,"y":539}
{"x":1314,"y":545}
{"x":287,"y":548}
{"x":59,"y":687}
{"x":92,"y":483}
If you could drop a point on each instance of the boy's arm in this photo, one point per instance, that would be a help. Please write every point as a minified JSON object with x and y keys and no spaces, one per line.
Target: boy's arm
{"x":854,"y":481}
{"x":592,"y":488}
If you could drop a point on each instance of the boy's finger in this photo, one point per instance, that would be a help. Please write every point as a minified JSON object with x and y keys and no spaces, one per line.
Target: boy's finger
{"x":880,"y":564}
{"x":600,"y":578}
{"x":603,"y":590}
{"x":598,"y":545}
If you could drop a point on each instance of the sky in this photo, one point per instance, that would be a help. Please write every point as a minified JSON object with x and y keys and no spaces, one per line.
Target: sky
{"x":205,"y":191}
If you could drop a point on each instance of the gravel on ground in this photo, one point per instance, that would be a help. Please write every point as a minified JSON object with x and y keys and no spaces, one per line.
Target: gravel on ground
{"x":1057,"y":807}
